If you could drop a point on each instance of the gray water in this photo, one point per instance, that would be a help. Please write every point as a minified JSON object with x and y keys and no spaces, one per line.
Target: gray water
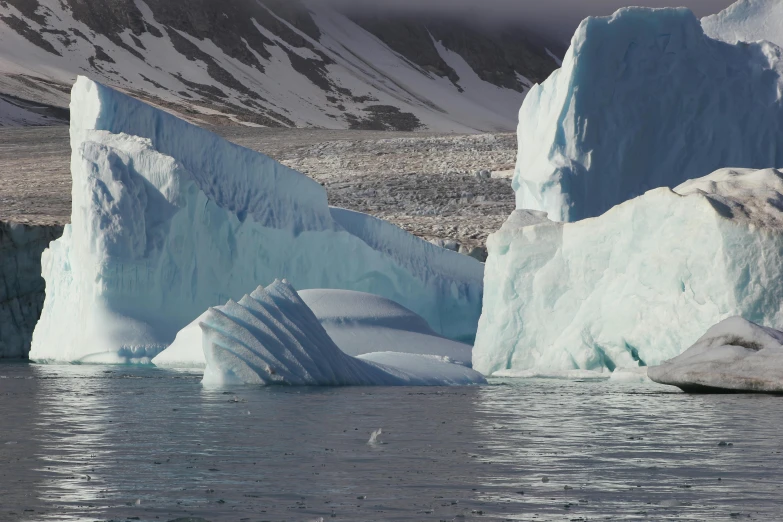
{"x":119,"y":443}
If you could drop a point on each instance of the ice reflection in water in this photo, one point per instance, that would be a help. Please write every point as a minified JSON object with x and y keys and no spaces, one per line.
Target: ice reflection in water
{"x":92,"y":441}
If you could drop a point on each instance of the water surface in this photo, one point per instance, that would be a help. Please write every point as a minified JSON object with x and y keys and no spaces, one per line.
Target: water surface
{"x":119,"y":443}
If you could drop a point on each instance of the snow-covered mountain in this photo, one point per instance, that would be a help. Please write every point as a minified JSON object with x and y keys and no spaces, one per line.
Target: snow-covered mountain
{"x":267,"y":62}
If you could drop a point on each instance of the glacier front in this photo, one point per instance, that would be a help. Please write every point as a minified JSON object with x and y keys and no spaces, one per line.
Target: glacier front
{"x":272,"y":337}
{"x":169,"y":219}
{"x":637,"y":285}
{"x":645,"y":99}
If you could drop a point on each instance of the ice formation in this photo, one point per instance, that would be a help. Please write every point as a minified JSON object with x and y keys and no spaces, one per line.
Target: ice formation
{"x":21,"y":285}
{"x":645,"y":99}
{"x":638,"y":284}
{"x":747,"y":21}
{"x":734,"y":355}
{"x":272,"y":337}
{"x":357,"y":322}
{"x":169,"y":219}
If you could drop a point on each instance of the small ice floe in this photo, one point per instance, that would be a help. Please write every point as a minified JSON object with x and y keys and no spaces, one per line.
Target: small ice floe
{"x":374,"y":437}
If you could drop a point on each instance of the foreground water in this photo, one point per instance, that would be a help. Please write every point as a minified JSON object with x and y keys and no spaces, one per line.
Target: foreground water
{"x":100,"y":443}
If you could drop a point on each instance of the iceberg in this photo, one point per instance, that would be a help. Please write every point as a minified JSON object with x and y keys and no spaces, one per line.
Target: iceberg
{"x":359,"y":323}
{"x":272,"y":337}
{"x":734,"y":355}
{"x":644,"y":99}
{"x":747,"y":21}
{"x":169,"y":219}
{"x":638,"y":284}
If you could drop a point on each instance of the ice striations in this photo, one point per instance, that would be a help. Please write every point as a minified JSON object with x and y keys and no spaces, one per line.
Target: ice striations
{"x":637,"y":285}
{"x":272,"y":337}
{"x":734,"y":355}
{"x":747,"y":21}
{"x":643,"y":100}
{"x":169,"y":219}
{"x":358,"y":322}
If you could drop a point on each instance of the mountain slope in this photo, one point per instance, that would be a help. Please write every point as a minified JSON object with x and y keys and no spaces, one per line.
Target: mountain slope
{"x":270,"y":63}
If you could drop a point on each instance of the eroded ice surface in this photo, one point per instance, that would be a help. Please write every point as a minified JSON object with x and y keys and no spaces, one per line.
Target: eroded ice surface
{"x":637,"y":285}
{"x":272,"y":337}
{"x":169,"y":219}
{"x":734,"y":355}
{"x":643,"y":100}
{"x":747,"y":21}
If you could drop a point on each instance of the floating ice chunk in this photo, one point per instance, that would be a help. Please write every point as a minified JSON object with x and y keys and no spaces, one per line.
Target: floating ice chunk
{"x":747,"y":21}
{"x":638,"y":284}
{"x":272,"y":337}
{"x":734,"y":355}
{"x":633,"y":374}
{"x":169,"y":219}
{"x":643,"y":100}
{"x":359,"y":323}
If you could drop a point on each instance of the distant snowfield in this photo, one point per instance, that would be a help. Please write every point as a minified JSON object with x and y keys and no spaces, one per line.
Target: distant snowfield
{"x":347,"y":77}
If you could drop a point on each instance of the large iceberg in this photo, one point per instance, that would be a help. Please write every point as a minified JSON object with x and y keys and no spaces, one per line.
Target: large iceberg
{"x":734,"y":355}
{"x":747,"y":21}
{"x":272,"y":337}
{"x":169,"y":219}
{"x":637,"y":285}
{"x":359,"y":323}
{"x":645,"y":99}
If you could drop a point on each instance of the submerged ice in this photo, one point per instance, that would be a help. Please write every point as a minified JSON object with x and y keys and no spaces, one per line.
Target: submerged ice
{"x":169,"y":219}
{"x":645,"y":99}
{"x":272,"y":337}
{"x":640,"y":283}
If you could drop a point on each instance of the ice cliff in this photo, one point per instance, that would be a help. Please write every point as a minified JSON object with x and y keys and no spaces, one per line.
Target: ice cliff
{"x":272,"y":337}
{"x":734,"y":355}
{"x":645,"y":99}
{"x":21,"y":284}
{"x":169,"y":219}
{"x":747,"y":21}
{"x":637,"y":285}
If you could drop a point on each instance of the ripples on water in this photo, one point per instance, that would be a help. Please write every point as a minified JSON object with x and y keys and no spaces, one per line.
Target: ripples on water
{"x":98,"y":443}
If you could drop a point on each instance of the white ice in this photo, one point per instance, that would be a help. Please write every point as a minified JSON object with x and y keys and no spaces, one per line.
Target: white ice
{"x":747,"y":21}
{"x":645,"y":99}
{"x":169,"y":219}
{"x":272,"y":337}
{"x":734,"y":355}
{"x":637,"y":285}
{"x":359,"y":323}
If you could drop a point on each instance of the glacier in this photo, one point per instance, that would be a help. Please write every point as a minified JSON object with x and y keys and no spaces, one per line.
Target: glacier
{"x":359,"y":323}
{"x":734,"y":355}
{"x":644,"y":99}
{"x":747,"y":21}
{"x":272,"y":337}
{"x":638,"y":284}
{"x":169,"y":219}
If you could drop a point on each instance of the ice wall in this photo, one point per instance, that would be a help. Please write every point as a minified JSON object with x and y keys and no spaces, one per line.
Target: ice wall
{"x":169,"y":219}
{"x":272,"y":337}
{"x":747,"y":21}
{"x":637,"y":285}
{"x":21,"y":285}
{"x":643,"y":100}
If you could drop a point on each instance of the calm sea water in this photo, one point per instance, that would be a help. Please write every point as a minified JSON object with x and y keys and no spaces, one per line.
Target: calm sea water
{"x":120,"y":443}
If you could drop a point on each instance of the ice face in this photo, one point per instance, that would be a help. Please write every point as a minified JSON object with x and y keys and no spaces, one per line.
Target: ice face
{"x":643,"y":100}
{"x":169,"y":219}
{"x":735,"y":354}
{"x":637,"y":285}
{"x":272,"y":337}
{"x":747,"y":21}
